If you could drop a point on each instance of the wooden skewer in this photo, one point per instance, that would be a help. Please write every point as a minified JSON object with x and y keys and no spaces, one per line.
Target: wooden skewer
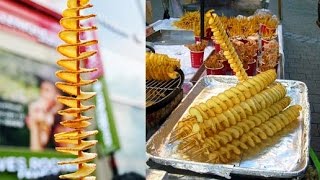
{"x":183,"y":138}
{"x":185,"y":146}
{"x":186,"y":137}
{"x":199,"y":150}
{"x":185,"y":150}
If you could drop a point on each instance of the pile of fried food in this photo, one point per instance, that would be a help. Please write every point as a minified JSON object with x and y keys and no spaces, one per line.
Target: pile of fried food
{"x":75,"y":138}
{"x":270,"y":55}
{"x":223,"y":128}
{"x":235,"y":26}
{"x":247,"y":51}
{"x":188,"y":21}
{"x":214,"y":61}
{"x":198,"y":46}
{"x":161,"y":67}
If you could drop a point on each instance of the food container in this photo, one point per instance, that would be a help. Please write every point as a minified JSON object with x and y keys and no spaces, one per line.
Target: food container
{"x":287,"y":158}
{"x":217,"y":47}
{"x":196,"y":58}
{"x":226,"y":66}
{"x":252,"y":68}
{"x":216,"y":71}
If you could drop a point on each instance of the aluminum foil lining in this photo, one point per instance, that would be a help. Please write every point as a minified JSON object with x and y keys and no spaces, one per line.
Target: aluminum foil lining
{"x":288,"y":157}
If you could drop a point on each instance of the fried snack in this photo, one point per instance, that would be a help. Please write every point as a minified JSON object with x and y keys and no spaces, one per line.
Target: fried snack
{"x":161,"y":67}
{"x":187,"y":20}
{"x":270,"y":54}
{"x":233,"y":96}
{"x":214,"y":61}
{"x":191,"y":21}
{"x":72,"y":85}
{"x":242,"y":111}
{"x":221,"y":38}
{"x":257,"y":135}
{"x":215,"y":140}
{"x":197,"y":46}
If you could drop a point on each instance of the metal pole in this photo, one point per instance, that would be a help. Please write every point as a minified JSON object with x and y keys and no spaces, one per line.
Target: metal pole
{"x":280,"y":9}
{"x":202,"y":18}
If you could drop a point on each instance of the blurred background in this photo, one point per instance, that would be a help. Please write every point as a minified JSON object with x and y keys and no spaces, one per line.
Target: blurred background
{"x":28,"y":33}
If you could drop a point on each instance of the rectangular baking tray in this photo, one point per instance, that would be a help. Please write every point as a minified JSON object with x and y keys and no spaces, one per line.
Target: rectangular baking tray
{"x":171,"y":37}
{"x":287,"y":158}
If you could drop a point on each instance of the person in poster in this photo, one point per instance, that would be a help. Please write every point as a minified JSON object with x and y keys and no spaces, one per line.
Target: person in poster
{"x":42,"y":116}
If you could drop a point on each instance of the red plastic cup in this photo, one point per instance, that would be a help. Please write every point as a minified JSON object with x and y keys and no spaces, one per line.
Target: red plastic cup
{"x":252,"y":68}
{"x":226,"y":65}
{"x":196,"y":58}
{"x":216,"y":71}
{"x":217,"y":47}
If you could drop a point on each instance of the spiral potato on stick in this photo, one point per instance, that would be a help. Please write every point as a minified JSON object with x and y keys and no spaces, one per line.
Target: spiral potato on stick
{"x":161,"y":67}
{"x":235,"y":148}
{"x":71,"y":85}
{"x":221,"y":38}
{"x":215,"y":140}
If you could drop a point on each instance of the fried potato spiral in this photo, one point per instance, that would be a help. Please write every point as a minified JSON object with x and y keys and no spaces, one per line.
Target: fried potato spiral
{"x":70,"y":74}
{"x":221,"y":38}
{"x":161,"y":67}
{"x":257,"y":135}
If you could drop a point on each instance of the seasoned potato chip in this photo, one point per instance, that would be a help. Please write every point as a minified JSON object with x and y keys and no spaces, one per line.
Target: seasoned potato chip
{"x":85,"y":170}
{"x":71,"y":64}
{"x":75,"y":125}
{"x":76,"y":3}
{"x":72,"y":12}
{"x":72,"y":76}
{"x":71,"y":51}
{"x":84,"y":145}
{"x":83,"y":158}
{"x":72,"y":22}
{"x":70,"y":36}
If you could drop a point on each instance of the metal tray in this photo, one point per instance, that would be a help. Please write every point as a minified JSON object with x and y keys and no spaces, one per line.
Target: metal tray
{"x":171,"y":37}
{"x":287,"y":158}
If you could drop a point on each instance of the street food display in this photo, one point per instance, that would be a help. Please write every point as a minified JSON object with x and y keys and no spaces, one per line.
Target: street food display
{"x":224,"y":121}
{"x":71,"y":75}
{"x":237,"y":118}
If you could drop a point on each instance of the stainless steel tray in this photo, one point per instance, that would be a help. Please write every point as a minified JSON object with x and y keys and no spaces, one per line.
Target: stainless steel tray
{"x":171,"y":37}
{"x":287,"y":158}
